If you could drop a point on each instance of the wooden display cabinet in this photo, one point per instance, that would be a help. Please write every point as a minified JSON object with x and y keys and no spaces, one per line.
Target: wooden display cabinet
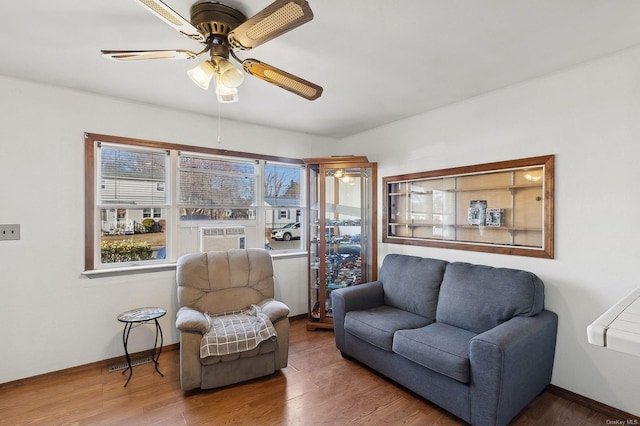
{"x":341,"y":230}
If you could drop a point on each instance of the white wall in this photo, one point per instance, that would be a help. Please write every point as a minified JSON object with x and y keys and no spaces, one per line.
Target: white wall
{"x":52,"y":317}
{"x":589,"y":117}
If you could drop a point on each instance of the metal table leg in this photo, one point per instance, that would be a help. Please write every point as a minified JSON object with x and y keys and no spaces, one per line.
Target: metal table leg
{"x":155,"y":344}
{"x":125,"y":341}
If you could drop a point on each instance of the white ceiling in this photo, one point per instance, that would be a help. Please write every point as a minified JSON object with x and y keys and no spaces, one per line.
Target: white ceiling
{"x":378,"y":60}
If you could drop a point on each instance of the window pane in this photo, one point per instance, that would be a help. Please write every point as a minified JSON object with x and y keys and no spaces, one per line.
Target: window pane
{"x":282,"y":185}
{"x":130,"y":176}
{"x":211,"y":187}
{"x":216,"y":164}
{"x":283,"y":215}
{"x":128,"y":236}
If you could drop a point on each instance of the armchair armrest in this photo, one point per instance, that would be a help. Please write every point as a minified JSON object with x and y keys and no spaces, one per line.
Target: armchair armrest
{"x":189,"y":319}
{"x":355,"y":298}
{"x":510,"y":365}
{"x":274,"y":309}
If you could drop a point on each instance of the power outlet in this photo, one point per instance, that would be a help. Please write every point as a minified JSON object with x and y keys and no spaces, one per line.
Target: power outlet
{"x":9,"y":232}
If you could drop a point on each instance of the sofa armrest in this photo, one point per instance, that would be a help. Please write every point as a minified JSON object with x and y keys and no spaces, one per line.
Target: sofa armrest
{"x":189,"y":319}
{"x":510,"y":365}
{"x":355,"y":298}
{"x":274,"y":309}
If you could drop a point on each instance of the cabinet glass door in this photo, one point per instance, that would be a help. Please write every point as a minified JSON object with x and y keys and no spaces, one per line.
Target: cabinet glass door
{"x":314,"y":242}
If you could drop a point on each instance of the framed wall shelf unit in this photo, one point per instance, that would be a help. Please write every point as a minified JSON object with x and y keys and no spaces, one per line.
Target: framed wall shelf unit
{"x":504,"y":207}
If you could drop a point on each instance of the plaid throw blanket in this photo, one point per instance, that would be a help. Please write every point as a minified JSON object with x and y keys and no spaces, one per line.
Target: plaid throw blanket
{"x":236,"y":331}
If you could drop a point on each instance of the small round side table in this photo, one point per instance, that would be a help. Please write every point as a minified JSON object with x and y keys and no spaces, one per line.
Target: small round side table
{"x":135,"y":318}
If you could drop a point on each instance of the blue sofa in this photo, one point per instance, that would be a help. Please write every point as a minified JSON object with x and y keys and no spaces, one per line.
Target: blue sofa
{"x":475,"y":340}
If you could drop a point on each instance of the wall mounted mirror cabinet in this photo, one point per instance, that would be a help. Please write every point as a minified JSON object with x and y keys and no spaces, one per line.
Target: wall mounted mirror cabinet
{"x":504,"y":207}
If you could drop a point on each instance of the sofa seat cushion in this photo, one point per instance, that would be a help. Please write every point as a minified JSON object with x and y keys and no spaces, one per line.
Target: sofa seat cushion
{"x":439,"y":347}
{"x":264,"y":347}
{"x":377,"y":325}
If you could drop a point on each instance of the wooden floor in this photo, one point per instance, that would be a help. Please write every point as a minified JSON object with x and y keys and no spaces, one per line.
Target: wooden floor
{"x":318,"y":387}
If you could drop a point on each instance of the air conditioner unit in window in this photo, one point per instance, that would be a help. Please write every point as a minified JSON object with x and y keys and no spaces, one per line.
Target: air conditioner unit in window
{"x":222,"y":238}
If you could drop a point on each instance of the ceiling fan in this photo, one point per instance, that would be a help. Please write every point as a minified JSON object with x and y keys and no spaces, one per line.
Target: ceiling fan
{"x":222,"y":29}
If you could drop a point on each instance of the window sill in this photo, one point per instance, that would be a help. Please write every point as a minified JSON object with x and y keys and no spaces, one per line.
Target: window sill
{"x":286,"y":255}
{"x":129,"y":270}
{"x":161,"y":267}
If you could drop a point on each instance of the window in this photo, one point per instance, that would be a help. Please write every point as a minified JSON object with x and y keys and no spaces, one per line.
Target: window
{"x":127,"y":197}
{"x":153,"y":200}
{"x":155,"y":213}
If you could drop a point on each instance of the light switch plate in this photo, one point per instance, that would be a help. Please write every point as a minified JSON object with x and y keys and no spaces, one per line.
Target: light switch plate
{"x":9,"y":232}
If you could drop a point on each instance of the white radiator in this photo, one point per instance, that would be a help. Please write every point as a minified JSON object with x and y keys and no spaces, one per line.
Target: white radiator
{"x":221,"y":238}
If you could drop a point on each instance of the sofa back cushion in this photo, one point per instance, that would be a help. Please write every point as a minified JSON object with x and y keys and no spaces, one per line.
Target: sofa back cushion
{"x":412,"y":283}
{"x":478,"y":298}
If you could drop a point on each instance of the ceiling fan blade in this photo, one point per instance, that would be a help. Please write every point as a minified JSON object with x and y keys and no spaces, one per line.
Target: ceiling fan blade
{"x":276,"y":19}
{"x":171,"y":17}
{"x":140,"y":55}
{"x":283,"y":79}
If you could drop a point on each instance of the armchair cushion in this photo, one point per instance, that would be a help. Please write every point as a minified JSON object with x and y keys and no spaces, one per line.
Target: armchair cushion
{"x":265,"y":347}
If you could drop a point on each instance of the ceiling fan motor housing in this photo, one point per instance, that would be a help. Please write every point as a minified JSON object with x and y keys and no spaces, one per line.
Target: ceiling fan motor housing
{"x":215,"y":19}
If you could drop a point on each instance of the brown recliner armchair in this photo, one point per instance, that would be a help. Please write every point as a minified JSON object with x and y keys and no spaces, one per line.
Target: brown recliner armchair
{"x":218,"y":282}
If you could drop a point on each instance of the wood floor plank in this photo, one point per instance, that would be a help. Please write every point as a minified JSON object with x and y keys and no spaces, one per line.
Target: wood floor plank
{"x":318,"y":387}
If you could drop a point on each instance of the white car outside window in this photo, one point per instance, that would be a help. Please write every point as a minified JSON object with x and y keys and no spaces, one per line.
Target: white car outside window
{"x":288,"y":232}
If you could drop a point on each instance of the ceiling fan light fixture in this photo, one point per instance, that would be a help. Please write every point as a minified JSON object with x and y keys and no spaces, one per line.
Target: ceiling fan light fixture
{"x":202,"y":74}
{"x":230,"y":76}
{"x":224,"y":93}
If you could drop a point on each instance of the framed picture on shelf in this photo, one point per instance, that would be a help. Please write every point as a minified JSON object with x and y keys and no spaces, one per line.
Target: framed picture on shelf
{"x":477,"y":209}
{"x":494,"y":217}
